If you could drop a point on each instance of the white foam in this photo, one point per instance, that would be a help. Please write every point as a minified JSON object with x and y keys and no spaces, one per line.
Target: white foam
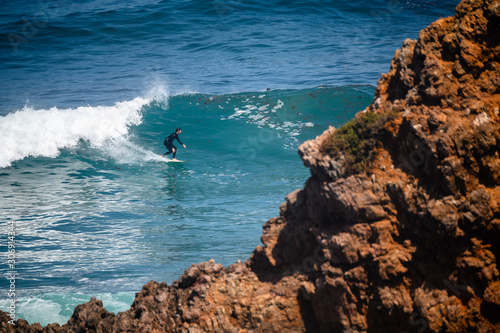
{"x":278,"y":106}
{"x":259,"y":115}
{"x":256,"y":117}
{"x":57,"y":308}
{"x":39,"y":310}
{"x":125,"y":152}
{"x":44,"y":132}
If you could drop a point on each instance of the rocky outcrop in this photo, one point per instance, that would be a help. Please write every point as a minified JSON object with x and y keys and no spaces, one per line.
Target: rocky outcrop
{"x":407,"y":244}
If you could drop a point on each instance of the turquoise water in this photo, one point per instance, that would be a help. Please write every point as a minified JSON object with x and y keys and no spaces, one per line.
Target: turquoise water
{"x":89,"y":91}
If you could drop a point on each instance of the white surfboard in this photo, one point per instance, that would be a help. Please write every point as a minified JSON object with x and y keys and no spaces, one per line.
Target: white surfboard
{"x":172,"y":161}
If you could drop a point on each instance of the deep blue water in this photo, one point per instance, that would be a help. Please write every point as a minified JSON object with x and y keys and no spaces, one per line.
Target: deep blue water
{"x":89,"y":90}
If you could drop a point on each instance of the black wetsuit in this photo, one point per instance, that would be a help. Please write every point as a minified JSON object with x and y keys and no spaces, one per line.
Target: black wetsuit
{"x":169,"y":143}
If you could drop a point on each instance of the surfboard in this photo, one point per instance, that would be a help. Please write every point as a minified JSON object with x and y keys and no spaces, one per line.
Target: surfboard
{"x":172,"y":161}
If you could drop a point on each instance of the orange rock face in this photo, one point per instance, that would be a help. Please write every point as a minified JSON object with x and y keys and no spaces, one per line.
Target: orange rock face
{"x":411,"y":244}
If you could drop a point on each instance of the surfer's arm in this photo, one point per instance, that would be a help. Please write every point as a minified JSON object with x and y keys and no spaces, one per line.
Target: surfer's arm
{"x":181,"y":142}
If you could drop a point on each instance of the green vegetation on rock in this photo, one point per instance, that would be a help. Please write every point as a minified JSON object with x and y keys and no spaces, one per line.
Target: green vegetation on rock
{"x":356,"y":139}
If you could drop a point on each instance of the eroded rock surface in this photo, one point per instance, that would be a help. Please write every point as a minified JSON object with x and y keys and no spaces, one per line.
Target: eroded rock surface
{"x":408,"y":245}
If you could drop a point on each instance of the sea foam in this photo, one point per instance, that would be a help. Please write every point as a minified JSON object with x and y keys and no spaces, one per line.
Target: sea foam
{"x":44,"y":132}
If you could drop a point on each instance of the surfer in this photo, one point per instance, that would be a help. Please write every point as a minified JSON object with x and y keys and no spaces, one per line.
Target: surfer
{"x":169,"y":143}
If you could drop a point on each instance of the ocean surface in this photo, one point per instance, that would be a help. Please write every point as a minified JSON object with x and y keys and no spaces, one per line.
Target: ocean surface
{"x":89,"y":90}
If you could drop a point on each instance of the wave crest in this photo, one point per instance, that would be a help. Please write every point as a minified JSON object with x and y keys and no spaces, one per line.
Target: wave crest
{"x":30,"y":132}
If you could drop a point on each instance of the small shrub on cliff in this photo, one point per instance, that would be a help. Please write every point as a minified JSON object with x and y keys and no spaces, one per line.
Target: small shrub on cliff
{"x":356,"y":140}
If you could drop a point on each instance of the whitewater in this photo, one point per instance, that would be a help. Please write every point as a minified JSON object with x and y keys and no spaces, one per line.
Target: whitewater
{"x":30,"y":132}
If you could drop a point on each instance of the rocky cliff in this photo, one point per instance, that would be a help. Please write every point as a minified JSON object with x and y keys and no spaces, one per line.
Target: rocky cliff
{"x":396,"y":230}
